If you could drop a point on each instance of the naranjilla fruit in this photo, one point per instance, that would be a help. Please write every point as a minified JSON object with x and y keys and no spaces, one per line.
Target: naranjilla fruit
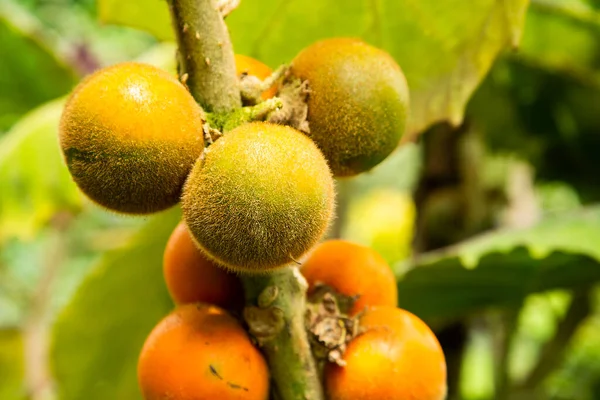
{"x":260,"y":198}
{"x":397,"y":358}
{"x":352,"y":269}
{"x":191,"y":277}
{"x":357,"y":104}
{"x":130,"y":134}
{"x":249,"y":66}
{"x":200,"y":352}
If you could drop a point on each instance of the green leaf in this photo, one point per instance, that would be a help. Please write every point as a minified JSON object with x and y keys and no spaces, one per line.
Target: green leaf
{"x":444,"y":47}
{"x":149,"y":15}
{"x":12,"y":368}
{"x":35,"y":180}
{"x":31,"y":71}
{"x":563,"y":36}
{"x":98,"y":336}
{"x":500,"y":268}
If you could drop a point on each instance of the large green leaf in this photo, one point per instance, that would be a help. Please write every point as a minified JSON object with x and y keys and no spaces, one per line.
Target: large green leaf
{"x":501,"y":268}
{"x":444,"y":47}
{"x":35,"y":180}
{"x":98,"y":337}
{"x":31,"y":71}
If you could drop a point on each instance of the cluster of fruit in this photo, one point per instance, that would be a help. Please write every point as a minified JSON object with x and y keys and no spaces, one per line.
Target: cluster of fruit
{"x":261,"y":195}
{"x":256,"y":197}
{"x":201,"y":351}
{"x":388,"y":352}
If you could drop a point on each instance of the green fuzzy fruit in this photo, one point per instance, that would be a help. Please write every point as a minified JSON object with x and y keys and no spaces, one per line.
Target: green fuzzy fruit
{"x":260,"y":198}
{"x":130,"y":135}
{"x":357,"y":104}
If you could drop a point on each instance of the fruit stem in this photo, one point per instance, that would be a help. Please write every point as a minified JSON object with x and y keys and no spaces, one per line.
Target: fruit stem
{"x":205,"y":54}
{"x":252,"y":89}
{"x":258,"y":112}
{"x":276,"y":305}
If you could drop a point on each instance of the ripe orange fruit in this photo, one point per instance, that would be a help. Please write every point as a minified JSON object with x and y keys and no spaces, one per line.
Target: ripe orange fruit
{"x":191,"y":277}
{"x":130,"y":135}
{"x":357,"y":105}
{"x":250,"y":66}
{"x":397,"y":358}
{"x":352,"y":269}
{"x":200,"y":352}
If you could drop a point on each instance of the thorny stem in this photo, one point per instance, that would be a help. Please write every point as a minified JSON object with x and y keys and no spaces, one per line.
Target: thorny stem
{"x":276,"y":302}
{"x":227,"y":6}
{"x":277,"y":322}
{"x":205,"y":54}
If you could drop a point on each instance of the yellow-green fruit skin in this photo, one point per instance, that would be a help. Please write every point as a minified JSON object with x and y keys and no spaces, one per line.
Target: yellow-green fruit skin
{"x":260,"y":198}
{"x":357,"y":104}
{"x":130,"y":135}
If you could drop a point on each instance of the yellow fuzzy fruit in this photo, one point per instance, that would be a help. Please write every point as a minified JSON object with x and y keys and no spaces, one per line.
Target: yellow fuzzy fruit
{"x":260,"y":198}
{"x":357,"y":105}
{"x":130,"y":134}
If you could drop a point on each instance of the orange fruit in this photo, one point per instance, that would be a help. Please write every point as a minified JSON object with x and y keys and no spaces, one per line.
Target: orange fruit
{"x":352,"y":269}
{"x":250,"y":66}
{"x":200,"y":352}
{"x":130,"y":134}
{"x":397,"y":358}
{"x":191,"y":277}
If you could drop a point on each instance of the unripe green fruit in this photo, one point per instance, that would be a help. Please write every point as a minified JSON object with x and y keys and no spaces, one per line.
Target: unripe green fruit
{"x":130,"y":134}
{"x":357,"y":104}
{"x":260,"y":198}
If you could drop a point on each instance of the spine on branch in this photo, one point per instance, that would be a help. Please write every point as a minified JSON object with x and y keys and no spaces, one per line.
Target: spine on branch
{"x":206,"y":54}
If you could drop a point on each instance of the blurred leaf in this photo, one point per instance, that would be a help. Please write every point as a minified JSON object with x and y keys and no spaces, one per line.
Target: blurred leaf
{"x":35,"y":181}
{"x":162,"y":56}
{"x":31,"y":71}
{"x":477,"y":368}
{"x":563,"y":36}
{"x":541,"y":103}
{"x":547,"y":118}
{"x":11,"y":365}
{"x":579,"y":376}
{"x":557,"y":196}
{"x":445,"y":48}
{"x":98,"y":336}
{"x":382,"y":219}
{"x":538,"y":322}
{"x":149,"y":15}
{"x":406,"y":158}
{"x":500,"y":268}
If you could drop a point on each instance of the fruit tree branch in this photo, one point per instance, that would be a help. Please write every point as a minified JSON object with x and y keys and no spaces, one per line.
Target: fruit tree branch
{"x":275,"y":301}
{"x":206,"y":54}
{"x":277,"y":322}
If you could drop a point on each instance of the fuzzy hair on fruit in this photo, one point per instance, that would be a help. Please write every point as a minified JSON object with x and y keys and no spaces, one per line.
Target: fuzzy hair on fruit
{"x":130,"y":134}
{"x":260,"y":198}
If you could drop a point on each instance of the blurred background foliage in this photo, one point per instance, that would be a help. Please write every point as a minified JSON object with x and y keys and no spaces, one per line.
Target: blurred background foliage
{"x":491,"y":221}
